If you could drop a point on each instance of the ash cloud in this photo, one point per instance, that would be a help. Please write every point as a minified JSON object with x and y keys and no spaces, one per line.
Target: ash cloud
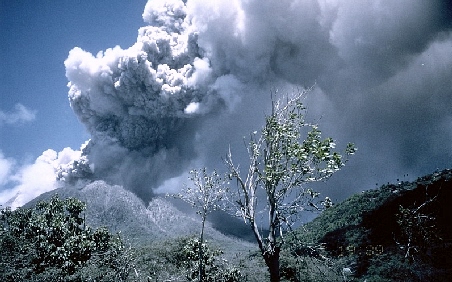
{"x":143,"y":105}
{"x":381,"y":70}
{"x":200,"y":75}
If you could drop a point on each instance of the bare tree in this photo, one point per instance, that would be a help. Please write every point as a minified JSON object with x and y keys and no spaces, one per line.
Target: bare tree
{"x":418,"y":227}
{"x":206,"y":196}
{"x":284,"y":156}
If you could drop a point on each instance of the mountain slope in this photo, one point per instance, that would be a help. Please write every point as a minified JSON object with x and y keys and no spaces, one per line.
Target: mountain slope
{"x":363,"y":231}
{"x":122,"y":211}
{"x":154,"y":234}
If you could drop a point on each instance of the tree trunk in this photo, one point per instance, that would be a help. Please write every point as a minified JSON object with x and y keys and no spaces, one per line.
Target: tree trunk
{"x":200,"y":254}
{"x":270,"y":253}
{"x":272,"y":261}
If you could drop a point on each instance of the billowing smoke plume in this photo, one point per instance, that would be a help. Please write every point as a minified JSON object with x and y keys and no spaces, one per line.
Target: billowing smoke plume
{"x":200,"y":75}
{"x":142,"y":105}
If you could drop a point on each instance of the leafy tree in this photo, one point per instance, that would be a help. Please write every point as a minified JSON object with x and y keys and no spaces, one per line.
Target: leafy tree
{"x":50,"y":242}
{"x":284,"y":156}
{"x":206,"y":196}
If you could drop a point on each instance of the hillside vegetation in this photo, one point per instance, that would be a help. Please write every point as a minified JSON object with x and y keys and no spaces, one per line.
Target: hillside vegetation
{"x":158,"y":239}
{"x":399,"y":232}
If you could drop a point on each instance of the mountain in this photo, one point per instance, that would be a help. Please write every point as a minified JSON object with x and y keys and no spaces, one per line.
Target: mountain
{"x":122,"y":211}
{"x":158,"y":237}
{"x":399,"y":232}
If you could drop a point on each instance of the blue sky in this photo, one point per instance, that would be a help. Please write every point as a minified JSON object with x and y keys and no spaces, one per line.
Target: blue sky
{"x":36,"y":37}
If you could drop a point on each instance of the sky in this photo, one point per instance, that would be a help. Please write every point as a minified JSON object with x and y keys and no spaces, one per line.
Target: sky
{"x":35,"y":40}
{"x":191,"y":79}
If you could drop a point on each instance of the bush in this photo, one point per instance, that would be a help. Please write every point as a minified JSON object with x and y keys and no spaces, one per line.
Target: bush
{"x":177,"y":260}
{"x":50,"y":242}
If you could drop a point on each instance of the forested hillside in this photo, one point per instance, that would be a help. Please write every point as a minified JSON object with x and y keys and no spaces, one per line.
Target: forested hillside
{"x":399,"y":232}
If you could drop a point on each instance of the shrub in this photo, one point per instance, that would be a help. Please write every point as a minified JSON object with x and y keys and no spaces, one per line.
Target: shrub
{"x":50,"y":242}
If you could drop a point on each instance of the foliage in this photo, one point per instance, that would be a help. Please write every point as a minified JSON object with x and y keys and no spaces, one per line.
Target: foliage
{"x":371,"y":231}
{"x":50,"y":242}
{"x":285,"y":156}
{"x":206,"y":196}
{"x":178,"y":260}
{"x":302,"y":261}
{"x":212,"y":270}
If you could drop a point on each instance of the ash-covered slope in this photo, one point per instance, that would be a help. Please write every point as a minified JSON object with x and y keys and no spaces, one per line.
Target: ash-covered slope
{"x":122,"y":211}
{"x":153,"y":232}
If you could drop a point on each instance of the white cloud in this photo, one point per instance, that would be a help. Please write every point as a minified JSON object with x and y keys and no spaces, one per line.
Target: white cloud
{"x":6,"y":166}
{"x":20,"y":114}
{"x":31,"y":180}
{"x":35,"y":179}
